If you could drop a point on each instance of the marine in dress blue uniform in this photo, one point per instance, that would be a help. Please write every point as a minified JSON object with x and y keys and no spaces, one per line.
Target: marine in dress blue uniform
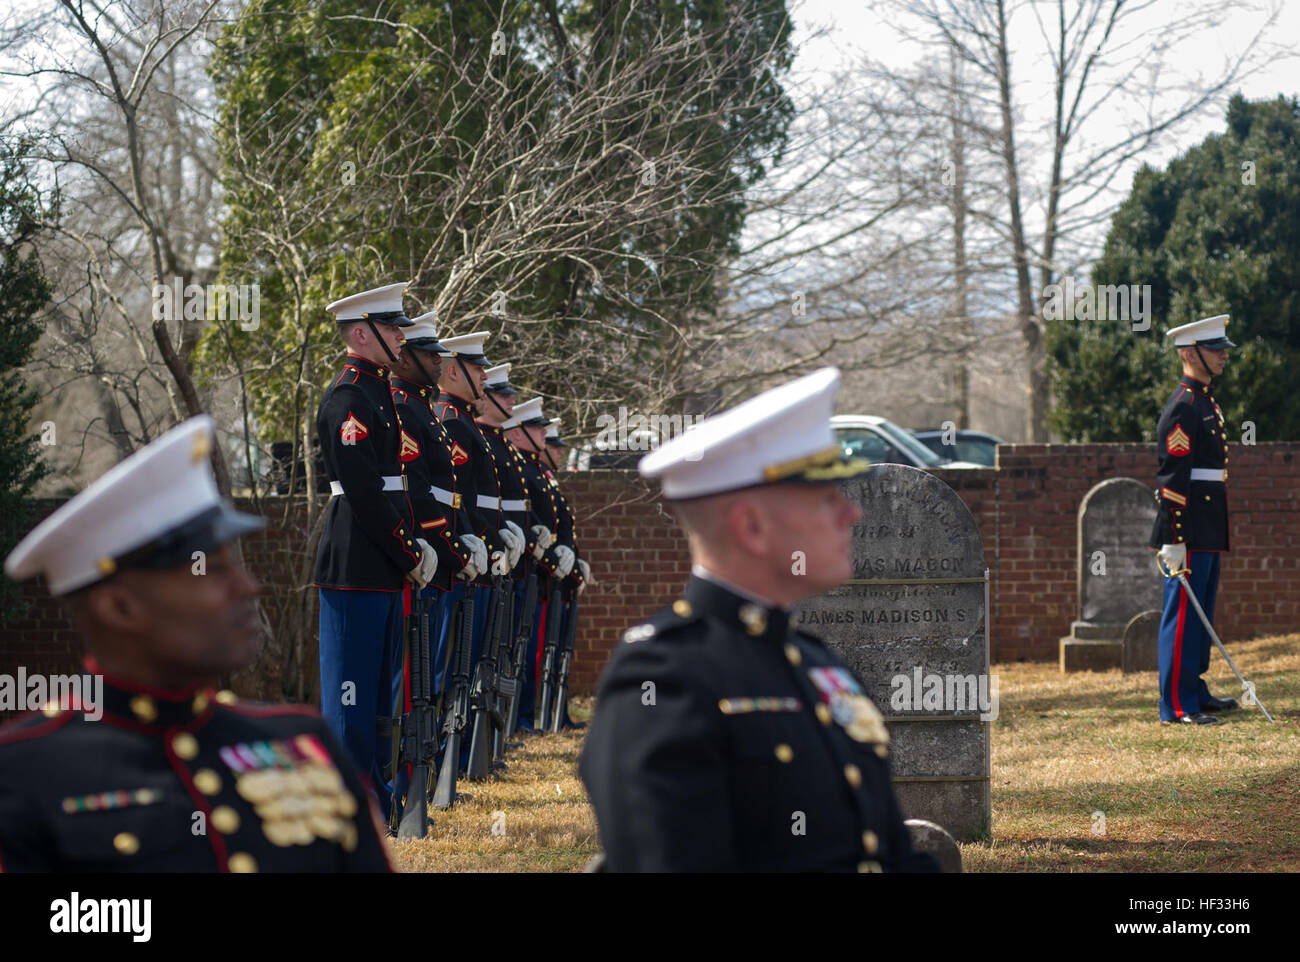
{"x":723,"y":739}
{"x":459,"y":401}
{"x":575,"y":582}
{"x":517,"y":506}
{"x":440,"y":516}
{"x":152,"y":769}
{"x":1191,"y":527}
{"x":370,"y":546}
{"x":526,"y":431}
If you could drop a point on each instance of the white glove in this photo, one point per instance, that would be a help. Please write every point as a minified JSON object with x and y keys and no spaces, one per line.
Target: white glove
{"x":500,"y":563}
{"x":423,"y":572}
{"x":544,"y":540}
{"x":585,"y":570}
{"x":478,"y":552}
{"x":1173,"y":557}
{"x":514,"y":548}
{"x":563,"y":560}
{"x":520,"y":540}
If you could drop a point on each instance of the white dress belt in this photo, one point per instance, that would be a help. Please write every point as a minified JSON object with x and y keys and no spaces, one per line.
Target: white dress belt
{"x":392,"y":482}
{"x":445,"y":496}
{"x":1209,"y":474}
{"x":514,"y":505}
{"x":486,"y":501}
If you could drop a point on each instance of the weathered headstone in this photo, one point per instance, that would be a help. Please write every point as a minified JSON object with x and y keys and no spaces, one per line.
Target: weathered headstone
{"x":1141,"y":642}
{"x":1116,"y":577}
{"x":911,"y":623}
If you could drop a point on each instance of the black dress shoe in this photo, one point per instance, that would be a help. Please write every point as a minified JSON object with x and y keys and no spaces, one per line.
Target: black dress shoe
{"x":1218,"y":704}
{"x":1200,"y":718}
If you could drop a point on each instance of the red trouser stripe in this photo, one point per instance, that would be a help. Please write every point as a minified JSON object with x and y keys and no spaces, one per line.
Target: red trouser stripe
{"x":541,"y":635}
{"x":1178,"y":651}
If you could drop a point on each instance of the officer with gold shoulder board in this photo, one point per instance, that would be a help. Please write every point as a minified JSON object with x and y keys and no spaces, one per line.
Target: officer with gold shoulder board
{"x":719,"y":729}
{"x":1191,"y":528}
{"x":156,"y":771}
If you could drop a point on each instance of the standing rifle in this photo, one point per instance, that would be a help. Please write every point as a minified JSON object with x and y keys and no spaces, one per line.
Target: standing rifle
{"x":456,"y":710}
{"x":519,"y":663}
{"x":562,"y":673}
{"x":553,"y":615}
{"x":503,"y":684}
{"x":483,"y":690}
{"x":418,"y":727}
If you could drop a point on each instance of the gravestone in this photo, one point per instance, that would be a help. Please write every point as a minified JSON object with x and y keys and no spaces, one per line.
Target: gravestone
{"x":1116,"y":577}
{"x":1141,"y":642}
{"x":911,"y":623}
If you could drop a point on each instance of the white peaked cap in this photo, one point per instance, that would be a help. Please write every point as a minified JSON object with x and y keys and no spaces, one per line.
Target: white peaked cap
{"x":780,"y":435}
{"x":150,"y":510}
{"x":1209,"y":332}
{"x":498,"y":380}
{"x":423,"y":332}
{"x":526,"y":412}
{"x":554,"y":430}
{"x":468,"y":346}
{"x":381,"y":305}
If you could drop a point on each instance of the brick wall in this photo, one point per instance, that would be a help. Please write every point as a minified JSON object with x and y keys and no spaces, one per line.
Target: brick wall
{"x":1026,"y":509}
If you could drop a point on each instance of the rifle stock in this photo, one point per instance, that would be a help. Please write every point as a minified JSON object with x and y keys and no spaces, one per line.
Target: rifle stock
{"x":456,"y":716}
{"x":419,"y":726}
{"x":548,"y":652}
{"x":562,"y":673}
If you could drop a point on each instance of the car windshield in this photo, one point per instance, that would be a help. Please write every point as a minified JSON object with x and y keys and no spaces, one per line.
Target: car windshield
{"x":910,"y":444}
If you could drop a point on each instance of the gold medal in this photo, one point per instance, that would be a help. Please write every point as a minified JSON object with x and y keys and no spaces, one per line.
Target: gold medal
{"x":278,"y":833}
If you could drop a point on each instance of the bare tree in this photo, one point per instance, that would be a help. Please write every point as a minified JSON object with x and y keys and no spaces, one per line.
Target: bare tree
{"x":1111,"y":102}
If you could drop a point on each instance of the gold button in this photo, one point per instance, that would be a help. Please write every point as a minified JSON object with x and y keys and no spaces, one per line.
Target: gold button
{"x":1207,"y":497}
{"x":823,"y":713}
{"x":869,"y":867}
{"x":200,"y":703}
{"x":792,"y":654}
{"x":126,"y":843}
{"x":106,"y":566}
{"x":682,"y":608}
{"x":784,"y":753}
{"x":853,"y":775}
{"x":225,"y":697}
{"x":881,"y":750}
{"x":50,"y":710}
{"x":871,"y":842}
{"x":185,"y":745}
{"x":144,"y":708}
{"x":207,"y":781}
{"x":225,"y":819}
{"x":243,"y":863}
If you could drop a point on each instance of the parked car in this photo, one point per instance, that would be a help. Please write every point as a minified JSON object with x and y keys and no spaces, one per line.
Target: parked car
{"x":883,"y":442}
{"x":974,"y":446}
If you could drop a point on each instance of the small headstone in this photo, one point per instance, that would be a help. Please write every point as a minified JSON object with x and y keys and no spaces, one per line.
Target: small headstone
{"x":911,"y":624}
{"x":931,"y":838}
{"x":1115,"y":574}
{"x":1141,"y":642}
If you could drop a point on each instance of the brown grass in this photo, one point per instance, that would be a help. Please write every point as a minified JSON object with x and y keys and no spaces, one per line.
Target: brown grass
{"x":1175,"y":798}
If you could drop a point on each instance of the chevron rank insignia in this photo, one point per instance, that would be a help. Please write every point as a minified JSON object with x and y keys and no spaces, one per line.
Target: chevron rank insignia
{"x":410,"y":448}
{"x":1178,"y":443}
{"x":353,"y":430}
{"x":458,"y":455}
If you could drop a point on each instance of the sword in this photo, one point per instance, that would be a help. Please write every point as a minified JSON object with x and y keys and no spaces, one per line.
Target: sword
{"x":1246,"y":687}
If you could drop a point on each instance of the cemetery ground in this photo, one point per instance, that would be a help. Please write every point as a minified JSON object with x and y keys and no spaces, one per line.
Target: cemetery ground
{"x":1065,"y":747}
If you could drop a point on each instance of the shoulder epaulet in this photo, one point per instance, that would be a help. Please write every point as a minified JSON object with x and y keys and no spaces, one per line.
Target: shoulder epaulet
{"x":662,"y":622}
